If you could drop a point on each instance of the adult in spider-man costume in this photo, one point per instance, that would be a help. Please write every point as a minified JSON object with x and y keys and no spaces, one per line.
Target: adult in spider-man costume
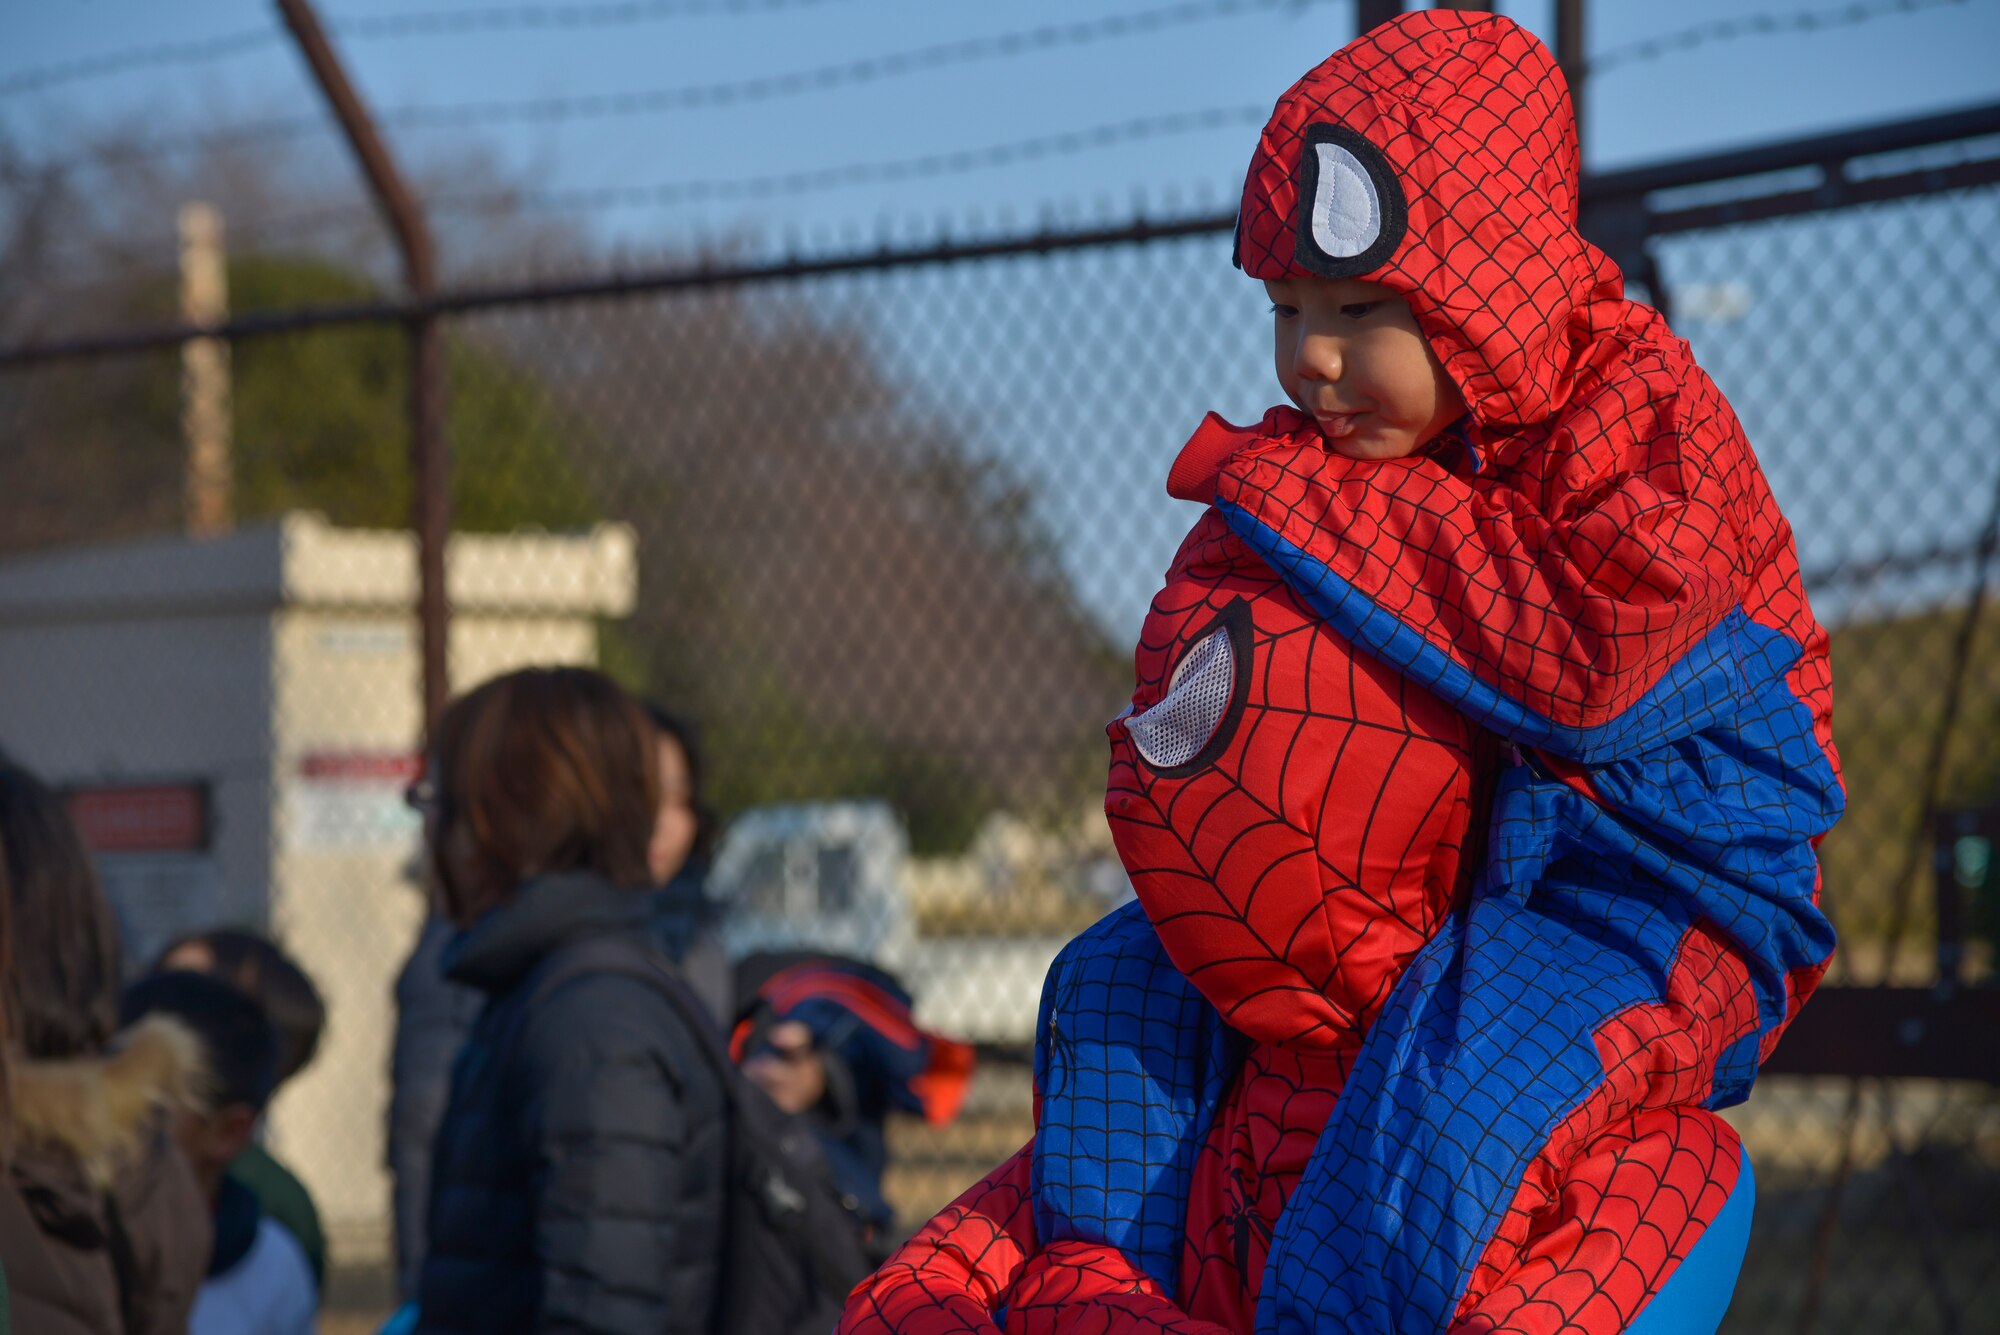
{"x":1470,"y":798}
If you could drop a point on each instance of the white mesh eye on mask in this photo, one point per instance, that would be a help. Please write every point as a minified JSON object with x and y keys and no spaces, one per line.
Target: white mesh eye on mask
{"x":1175,"y":730}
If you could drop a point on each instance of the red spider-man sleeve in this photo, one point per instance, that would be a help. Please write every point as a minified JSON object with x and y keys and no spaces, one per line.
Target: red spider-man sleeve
{"x":1089,"y":1288}
{"x":956,"y":1271}
{"x":1596,"y":1244}
{"x":1566,"y":585}
{"x":978,"y":1256}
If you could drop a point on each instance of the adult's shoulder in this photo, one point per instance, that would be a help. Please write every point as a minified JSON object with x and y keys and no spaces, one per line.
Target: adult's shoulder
{"x":612,"y":1012}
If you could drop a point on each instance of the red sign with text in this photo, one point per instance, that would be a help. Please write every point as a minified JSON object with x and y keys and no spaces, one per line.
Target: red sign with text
{"x":141,"y":818}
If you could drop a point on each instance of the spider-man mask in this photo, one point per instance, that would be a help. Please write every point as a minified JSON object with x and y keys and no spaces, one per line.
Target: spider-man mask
{"x":1291,"y":813}
{"x":1438,"y":156}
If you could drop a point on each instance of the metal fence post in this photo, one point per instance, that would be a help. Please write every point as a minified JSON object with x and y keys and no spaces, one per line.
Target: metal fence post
{"x":430,"y":463}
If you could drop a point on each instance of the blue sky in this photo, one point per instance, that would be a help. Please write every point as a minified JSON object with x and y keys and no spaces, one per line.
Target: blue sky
{"x":1717,"y":93}
{"x":1131,"y":413}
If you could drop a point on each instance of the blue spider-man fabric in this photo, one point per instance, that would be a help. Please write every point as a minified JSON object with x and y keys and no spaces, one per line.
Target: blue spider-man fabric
{"x":1485,"y":1048}
{"x":1491,"y":1040}
{"x":1131,"y":1061}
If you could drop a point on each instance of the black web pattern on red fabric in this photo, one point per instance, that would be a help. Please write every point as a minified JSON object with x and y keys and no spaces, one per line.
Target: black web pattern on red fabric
{"x":1260,"y":1144}
{"x":1643,"y":567}
{"x":1290,"y":878}
{"x":1621,"y":514}
{"x":1474,"y":115}
{"x":1311,"y":701}
{"x":948,"y":1276}
{"x":1584,"y":1252}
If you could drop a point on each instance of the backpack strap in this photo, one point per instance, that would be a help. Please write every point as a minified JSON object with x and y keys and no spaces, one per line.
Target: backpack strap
{"x":610,"y":953}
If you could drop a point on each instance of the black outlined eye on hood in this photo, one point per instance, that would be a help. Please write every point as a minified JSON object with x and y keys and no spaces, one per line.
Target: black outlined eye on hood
{"x":1352,"y":213}
{"x":1192,"y":723}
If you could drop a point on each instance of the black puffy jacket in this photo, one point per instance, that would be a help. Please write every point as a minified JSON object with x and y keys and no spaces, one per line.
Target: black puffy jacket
{"x":434,"y":1016}
{"x":577,"y":1180}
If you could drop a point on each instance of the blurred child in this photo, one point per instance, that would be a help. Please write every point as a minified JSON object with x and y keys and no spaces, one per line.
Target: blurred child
{"x":833,"y":1039}
{"x":259,"y":1281}
{"x":255,"y":966}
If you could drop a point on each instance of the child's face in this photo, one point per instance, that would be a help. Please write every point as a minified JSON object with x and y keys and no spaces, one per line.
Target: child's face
{"x":1351,"y":356}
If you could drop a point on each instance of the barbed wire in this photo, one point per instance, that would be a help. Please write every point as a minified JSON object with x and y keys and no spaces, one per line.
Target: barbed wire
{"x":927,"y":166}
{"x":758,"y":88}
{"x":376,"y":27}
{"x":1756,"y":25}
{"x":139,"y":57}
{"x":866,"y":69}
{"x":503,"y":18}
{"x":506,"y":18}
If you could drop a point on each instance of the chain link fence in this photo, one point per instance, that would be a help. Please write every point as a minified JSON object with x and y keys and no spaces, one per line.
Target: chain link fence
{"x":1858,"y":346}
{"x":886,"y":530}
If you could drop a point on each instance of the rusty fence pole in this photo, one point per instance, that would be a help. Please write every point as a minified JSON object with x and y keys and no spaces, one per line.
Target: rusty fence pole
{"x":430,"y":462}
{"x":431,"y":507}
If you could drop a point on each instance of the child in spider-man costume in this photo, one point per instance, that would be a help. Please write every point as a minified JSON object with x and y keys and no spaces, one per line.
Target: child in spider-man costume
{"x":1470,"y":789}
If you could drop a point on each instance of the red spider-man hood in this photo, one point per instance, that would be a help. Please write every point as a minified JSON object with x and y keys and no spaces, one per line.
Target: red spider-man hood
{"x":1291,"y":811}
{"x":1437,"y":155}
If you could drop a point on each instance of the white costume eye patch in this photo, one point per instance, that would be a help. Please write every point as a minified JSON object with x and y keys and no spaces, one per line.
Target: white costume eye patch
{"x":1346,"y":211}
{"x":1351,"y":207}
{"x":1190,"y":724}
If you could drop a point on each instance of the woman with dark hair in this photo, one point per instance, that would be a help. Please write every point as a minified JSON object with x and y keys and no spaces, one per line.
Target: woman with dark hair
{"x":103,"y":1228}
{"x":577,"y":1181}
{"x":434,"y":1015}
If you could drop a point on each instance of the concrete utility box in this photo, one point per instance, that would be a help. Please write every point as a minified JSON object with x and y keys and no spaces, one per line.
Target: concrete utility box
{"x":234,"y":721}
